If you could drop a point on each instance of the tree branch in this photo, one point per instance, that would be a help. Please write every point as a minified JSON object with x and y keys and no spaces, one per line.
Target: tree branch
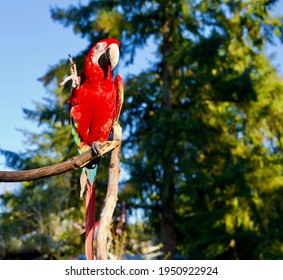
{"x":58,"y":168}
{"x":111,"y":197}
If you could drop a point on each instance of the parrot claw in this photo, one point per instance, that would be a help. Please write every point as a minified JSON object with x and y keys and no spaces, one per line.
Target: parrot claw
{"x":96,"y":149}
{"x":74,"y":75}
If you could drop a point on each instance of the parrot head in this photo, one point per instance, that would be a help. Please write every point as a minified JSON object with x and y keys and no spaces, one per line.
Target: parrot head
{"x":105,"y":54}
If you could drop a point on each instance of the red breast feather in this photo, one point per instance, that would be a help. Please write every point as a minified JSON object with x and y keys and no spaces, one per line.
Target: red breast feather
{"x":94,"y":104}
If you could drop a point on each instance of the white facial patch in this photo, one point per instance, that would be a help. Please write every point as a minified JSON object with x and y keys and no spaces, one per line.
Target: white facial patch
{"x":97,"y":51}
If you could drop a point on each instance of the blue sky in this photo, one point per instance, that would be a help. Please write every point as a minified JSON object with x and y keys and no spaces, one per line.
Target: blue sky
{"x":30,"y":43}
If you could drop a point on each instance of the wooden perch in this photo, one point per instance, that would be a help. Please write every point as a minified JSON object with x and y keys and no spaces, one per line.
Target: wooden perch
{"x":111,"y":197}
{"x":58,"y":168}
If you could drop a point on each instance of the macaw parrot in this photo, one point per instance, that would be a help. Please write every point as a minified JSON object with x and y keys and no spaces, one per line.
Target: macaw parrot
{"x":95,"y":104}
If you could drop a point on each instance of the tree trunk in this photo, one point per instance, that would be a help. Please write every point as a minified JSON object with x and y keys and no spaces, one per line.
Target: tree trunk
{"x":168,"y":190}
{"x":167,"y":224}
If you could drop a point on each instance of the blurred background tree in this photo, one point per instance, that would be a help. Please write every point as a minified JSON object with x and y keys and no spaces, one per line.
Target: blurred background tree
{"x":202,"y":135}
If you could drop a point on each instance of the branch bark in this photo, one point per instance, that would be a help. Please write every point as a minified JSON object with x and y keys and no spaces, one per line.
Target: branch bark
{"x":58,"y":168}
{"x":111,"y":197}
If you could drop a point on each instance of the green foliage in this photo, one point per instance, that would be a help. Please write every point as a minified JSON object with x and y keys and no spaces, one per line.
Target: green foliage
{"x":202,"y":134}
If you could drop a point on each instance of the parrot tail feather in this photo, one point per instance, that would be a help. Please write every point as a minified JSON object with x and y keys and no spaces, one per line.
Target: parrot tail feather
{"x":90,"y":221}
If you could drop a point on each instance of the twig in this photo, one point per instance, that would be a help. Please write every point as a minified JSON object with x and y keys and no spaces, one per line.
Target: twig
{"x":58,"y":168}
{"x":111,"y":197}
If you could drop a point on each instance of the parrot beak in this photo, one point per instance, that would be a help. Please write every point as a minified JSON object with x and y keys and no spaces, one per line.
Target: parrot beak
{"x":113,"y":54}
{"x":110,"y":56}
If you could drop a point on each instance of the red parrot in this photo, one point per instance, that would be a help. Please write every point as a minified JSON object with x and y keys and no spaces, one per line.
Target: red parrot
{"x":95,"y":105}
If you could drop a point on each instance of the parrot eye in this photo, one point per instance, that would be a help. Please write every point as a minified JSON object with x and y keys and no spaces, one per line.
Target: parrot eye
{"x":97,"y":46}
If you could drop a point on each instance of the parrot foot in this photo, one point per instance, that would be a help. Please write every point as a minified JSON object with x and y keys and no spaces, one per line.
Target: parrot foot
{"x":96,"y":149}
{"x":75,"y":81}
{"x":74,"y":75}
